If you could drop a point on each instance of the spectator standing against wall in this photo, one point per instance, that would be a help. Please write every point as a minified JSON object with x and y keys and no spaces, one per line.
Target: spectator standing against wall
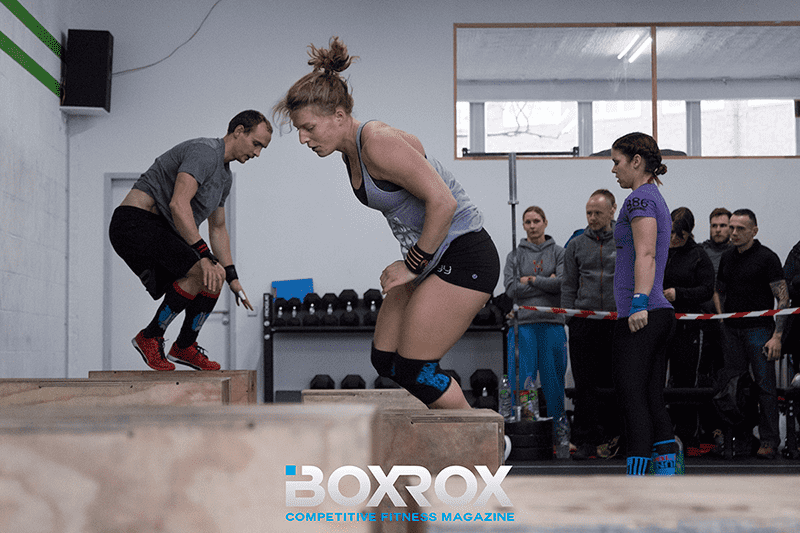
{"x":588,"y":284}
{"x":750,"y":278}
{"x":538,"y":263}
{"x":718,"y":242}
{"x":688,"y":282}
{"x":791,"y":338}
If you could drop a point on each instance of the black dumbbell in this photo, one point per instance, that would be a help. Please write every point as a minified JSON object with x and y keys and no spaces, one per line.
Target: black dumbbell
{"x":348,"y":299}
{"x":353,"y":381}
{"x":280,"y":306}
{"x":312,"y":303}
{"x":329,"y":303}
{"x":372,"y":300}
{"x":295,"y":306}
{"x":322,"y":381}
{"x":385,"y":383}
{"x":348,"y":296}
{"x":484,"y":400}
{"x":484,"y":378}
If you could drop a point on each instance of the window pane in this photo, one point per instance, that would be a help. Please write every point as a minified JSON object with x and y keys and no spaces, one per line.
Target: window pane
{"x":748,"y":127}
{"x":462,"y":126}
{"x":672,"y":125}
{"x":745,"y":78}
{"x":532,"y":79}
{"x":531,"y":126}
{"x":615,"y":118}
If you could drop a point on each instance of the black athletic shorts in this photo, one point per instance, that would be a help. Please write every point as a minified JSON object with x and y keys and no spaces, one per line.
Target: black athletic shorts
{"x":471,"y":261}
{"x":151,"y":248}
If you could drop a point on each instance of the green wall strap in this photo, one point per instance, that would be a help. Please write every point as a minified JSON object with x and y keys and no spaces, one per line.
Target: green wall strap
{"x":32,"y":24}
{"x":16,"y":53}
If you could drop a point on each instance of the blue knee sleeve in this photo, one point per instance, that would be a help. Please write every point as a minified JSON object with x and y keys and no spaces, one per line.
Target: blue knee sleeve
{"x":383,"y":362}
{"x":424,"y":379}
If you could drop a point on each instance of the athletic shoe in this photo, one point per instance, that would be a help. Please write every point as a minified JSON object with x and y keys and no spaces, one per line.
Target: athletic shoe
{"x":766,"y":452}
{"x":193,"y":356}
{"x":609,"y":449}
{"x":152,"y":351}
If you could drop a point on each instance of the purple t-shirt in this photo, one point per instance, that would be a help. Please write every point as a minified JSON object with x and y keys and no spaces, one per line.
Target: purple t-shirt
{"x":645,"y":201}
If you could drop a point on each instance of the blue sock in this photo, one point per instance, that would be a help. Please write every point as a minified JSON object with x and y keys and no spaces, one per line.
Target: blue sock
{"x":665,"y":457}
{"x":637,"y":466}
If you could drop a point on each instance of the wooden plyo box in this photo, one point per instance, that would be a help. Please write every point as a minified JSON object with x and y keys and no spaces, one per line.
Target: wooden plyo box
{"x":174,"y":470}
{"x":242,"y":382}
{"x":85,"y":392}
{"x":381,"y":398}
{"x":438,"y":438}
{"x":621,"y":503}
{"x":435,"y":439}
{"x":408,"y":433}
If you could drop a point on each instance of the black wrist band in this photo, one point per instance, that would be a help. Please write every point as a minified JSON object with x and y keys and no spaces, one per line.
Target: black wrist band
{"x":417,"y":260}
{"x":230,"y":273}
{"x":202,"y":248}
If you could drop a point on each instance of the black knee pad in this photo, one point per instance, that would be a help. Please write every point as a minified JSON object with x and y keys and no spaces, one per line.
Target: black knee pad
{"x":383,"y":362}
{"x":424,"y":379}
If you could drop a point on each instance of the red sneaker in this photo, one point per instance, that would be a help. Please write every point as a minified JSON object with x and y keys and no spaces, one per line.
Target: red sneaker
{"x":193,"y":356}
{"x":152,"y":351}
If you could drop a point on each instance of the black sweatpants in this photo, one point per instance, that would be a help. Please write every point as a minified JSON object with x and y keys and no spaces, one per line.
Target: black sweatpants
{"x":639,"y":372}
{"x":596,"y":418}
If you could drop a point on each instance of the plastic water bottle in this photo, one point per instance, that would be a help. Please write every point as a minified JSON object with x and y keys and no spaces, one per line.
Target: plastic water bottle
{"x":562,"y":437}
{"x":530,"y":406}
{"x":505,"y":400}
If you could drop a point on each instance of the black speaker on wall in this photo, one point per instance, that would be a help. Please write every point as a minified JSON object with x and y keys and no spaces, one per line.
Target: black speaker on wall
{"x":87,"y":81}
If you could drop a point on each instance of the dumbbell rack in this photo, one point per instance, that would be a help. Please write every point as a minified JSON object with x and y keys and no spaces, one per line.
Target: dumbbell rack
{"x":270,"y":330}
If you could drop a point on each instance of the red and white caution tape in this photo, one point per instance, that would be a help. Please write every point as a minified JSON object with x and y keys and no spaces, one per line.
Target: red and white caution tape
{"x":612,"y":315}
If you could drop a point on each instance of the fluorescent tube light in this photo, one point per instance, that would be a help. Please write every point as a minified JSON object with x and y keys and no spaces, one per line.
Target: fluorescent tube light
{"x":641,"y":49}
{"x":628,"y":48}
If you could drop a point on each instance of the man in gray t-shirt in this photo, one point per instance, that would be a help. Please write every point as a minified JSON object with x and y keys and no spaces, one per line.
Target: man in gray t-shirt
{"x":155,"y":231}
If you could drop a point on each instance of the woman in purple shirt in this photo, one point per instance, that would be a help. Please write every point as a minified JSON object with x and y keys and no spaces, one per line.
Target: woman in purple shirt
{"x":646,"y":319}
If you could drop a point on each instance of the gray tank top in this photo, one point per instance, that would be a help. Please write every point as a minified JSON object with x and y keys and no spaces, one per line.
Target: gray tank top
{"x":405,"y":213}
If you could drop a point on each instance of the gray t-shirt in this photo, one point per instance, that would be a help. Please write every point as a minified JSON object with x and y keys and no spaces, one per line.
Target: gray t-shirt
{"x":204,"y":160}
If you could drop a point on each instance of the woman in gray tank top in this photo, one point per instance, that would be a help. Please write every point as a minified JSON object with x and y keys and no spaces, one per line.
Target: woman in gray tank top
{"x":451,"y":266}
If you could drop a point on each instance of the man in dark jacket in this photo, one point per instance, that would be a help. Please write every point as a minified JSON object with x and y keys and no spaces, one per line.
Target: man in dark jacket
{"x":588,"y":283}
{"x":711,"y":359}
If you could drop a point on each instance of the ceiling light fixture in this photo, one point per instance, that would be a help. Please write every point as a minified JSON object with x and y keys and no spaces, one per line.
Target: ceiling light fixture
{"x":628,"y":48}
{"x":642,"y":48}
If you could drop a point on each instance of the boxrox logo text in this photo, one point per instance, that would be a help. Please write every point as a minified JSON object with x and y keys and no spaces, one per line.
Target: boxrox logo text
{"x":386,"y":485}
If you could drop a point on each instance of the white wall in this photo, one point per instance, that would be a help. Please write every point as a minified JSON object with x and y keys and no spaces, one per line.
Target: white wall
{"x":33,"y":205}
{"x":296,"y":216}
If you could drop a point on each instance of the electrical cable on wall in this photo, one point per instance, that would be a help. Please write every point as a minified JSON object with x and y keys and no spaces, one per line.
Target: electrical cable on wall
{"x":128,"y":71}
